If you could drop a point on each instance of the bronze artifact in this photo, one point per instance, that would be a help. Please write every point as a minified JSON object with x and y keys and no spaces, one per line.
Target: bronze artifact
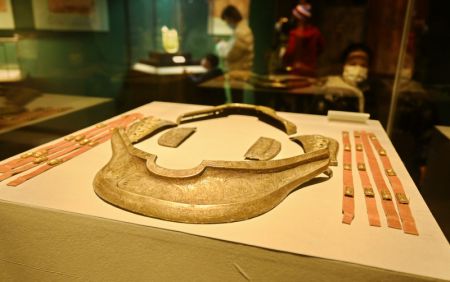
{"x":264,"y":149}
{"x":315,"y":142}
{"x":175,"y":136}
{"x":265,"y":114}
{"x":215,"y":191}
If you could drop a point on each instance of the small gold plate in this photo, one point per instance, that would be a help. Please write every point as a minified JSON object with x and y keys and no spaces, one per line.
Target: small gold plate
{"x":100,"y":125}
{"x":79,"y":138}
{"x":39,"y":154}
{"x":359,"y":147}
{"x":40,"y":160}
{"x":84,"y":141}
{"x":349,"y":191}
{"x":361,"y":166}
{"x":347,"y":148}
{"x":401,"y":198}
{"x":55,"y":162}
{"x":368,"y":192}
{"x":382,"y":152}
{"x":69,"y":138}
{"x":386,"y":195}
{"x":92,"y":143}
{"x":390,"y":172}
{"x":357,"y":134}
{"x":26,"y":155}
{"x":347,"y":167}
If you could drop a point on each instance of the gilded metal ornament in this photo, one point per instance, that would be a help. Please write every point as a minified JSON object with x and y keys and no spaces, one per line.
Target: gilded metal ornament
{"x":215,"y":191}
{"x":315,"y":142}
{"x":175,"y":136}
{"x":263,"y":149}
{"x":212,"y":192}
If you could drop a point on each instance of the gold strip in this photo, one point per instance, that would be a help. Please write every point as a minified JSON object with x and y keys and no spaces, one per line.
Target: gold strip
{"x":368,"y":192}
{"x":100,"y":125}
{"x":401,"y":198}
{"x":386,"y":195}
{"x":357,"y":134}
{"x":347,"y":167}
{"x":361,"y":166}
{"x":349,"y":191}
{"x":390,"y":172}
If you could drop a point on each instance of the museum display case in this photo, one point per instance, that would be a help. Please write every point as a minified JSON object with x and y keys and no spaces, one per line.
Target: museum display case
{"x":269,"y":140}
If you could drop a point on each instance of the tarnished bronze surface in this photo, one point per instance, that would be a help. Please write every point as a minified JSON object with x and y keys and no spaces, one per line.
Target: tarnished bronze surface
{"x":264,"y":149}
{"x":265,"y":114}
{"x":175,"y":136}
{"x":143,"y":128}
{"x":212,"y":192}
{"x":312,"y":143}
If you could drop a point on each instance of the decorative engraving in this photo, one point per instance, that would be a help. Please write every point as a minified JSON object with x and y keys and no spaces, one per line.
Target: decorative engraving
{"x":175,"y":136}
{"x":264,"y":149}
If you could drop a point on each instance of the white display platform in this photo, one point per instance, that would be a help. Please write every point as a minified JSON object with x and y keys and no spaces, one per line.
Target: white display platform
{"x":307,"y":222}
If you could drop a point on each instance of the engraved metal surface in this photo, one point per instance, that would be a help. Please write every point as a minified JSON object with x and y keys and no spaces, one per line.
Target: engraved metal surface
{"x":145,"y":127}
{"x":263,"y":149}
{"x":212,"y":192}
{"x":175,"y":136}
{"x":311,"y":143}
{"x":264,"y":114}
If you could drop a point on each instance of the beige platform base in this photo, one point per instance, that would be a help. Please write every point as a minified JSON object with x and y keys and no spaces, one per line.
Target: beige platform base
{"x":47,"y":245}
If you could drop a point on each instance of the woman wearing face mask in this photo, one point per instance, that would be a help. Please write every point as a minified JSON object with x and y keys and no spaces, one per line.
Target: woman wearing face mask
{"x":351,"y":83}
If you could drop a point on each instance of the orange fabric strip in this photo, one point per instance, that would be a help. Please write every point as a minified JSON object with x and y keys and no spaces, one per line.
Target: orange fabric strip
{"x":369,"y":195}
{"x":408,"y":222}
{"x":348,"y":203}
{"x":29,"y":157}
{"x":48,"y":165}
{"x":67,"y":146}
{"x":392,"y":218}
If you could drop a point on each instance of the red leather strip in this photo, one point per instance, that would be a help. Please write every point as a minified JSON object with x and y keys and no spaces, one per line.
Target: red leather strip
{"x":408,"y":222}
{"x":46,"y":150}
{"x":48,"y":166}
{"x":369,"y":195}
{"x":348,"y":203}
{"x":386,"y":197}
{"x":65,"y":147}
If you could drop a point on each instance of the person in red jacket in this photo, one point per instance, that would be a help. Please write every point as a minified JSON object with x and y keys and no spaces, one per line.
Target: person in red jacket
{"x":304,"y":45}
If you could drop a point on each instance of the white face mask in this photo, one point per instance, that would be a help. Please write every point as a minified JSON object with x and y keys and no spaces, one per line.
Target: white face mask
{"x":354,"y":74}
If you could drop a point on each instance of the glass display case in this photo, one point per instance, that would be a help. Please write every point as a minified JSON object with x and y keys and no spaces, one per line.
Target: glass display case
{"x":67,"y":65}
